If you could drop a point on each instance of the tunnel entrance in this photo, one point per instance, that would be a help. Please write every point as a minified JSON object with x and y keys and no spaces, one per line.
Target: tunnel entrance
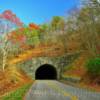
{"x":46,"y":72}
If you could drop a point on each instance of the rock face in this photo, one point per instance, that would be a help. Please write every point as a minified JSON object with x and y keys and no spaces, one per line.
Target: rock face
{"x":31,"y":66}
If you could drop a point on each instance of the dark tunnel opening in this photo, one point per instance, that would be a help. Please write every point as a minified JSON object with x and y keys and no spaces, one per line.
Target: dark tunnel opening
{"x":46,"y":72}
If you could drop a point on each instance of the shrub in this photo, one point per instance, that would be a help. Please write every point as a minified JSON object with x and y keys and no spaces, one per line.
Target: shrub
{"x":93,"y":66}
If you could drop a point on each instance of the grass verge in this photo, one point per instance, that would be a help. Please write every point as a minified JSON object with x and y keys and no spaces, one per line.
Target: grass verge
{"x":17,"y":94}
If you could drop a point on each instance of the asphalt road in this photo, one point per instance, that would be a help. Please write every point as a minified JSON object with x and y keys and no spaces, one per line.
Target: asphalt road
{"x":54,"y":90}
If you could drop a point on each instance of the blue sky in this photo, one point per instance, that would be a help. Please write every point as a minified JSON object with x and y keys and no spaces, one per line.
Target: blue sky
{"x":38,"y":11}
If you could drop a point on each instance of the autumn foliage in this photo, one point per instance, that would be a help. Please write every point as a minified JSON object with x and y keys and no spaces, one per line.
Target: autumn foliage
{"x":33,"y":26}
{"x":11,"y":17}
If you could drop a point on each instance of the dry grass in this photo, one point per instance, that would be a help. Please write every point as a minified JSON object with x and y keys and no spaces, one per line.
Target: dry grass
{"x":78,"y":70}
{"x":77,"y":67}
{"x":11,"y":80}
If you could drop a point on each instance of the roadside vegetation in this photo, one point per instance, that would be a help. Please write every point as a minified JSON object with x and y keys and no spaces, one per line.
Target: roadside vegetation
{"x":17,"y":94}
{"x":78,"y":33}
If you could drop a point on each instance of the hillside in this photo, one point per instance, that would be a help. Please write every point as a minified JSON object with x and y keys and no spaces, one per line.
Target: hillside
{"x":77,"y":66}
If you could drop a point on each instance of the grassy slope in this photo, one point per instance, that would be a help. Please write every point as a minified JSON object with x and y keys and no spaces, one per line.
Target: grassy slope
{"x":77,"y":71}
{"x":17,"y":94}
{"x":12,"y":79}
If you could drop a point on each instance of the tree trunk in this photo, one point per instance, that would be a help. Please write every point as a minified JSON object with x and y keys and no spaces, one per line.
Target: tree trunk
{"x":4,"y":49}
{"x":4,"y":59}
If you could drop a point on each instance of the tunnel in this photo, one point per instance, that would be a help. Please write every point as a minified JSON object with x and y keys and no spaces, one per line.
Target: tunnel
{"x":46,"y":72}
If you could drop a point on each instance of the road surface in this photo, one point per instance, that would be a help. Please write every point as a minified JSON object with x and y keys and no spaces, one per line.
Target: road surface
{"x":54,"y":90}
